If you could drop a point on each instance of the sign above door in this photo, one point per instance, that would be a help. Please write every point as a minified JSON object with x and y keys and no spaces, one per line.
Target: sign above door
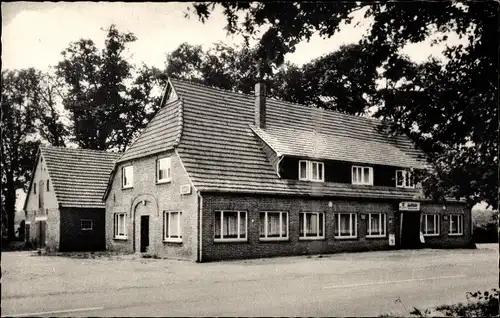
{"x":409,"y":206}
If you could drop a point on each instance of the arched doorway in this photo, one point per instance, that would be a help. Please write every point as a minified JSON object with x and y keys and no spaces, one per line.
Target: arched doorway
{"x":144,"y":217}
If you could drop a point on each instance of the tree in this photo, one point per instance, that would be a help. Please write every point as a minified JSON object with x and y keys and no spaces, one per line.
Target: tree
{"x":98,"y":85}
{"x":47,"y":110}
{"x":462,"y":90}
{"x":19,"y":146}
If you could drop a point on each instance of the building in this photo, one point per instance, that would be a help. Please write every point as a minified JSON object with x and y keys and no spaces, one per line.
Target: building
{"x":221,"y":175}
{"x":63,"y":208}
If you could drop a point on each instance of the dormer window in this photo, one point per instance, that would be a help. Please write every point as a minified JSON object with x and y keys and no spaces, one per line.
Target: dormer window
{"x":311,"y":170}
{"x":362,"y":175}
{"x":404,"y":179}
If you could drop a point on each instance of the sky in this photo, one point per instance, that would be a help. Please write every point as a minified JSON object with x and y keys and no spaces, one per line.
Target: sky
{"x":35,"y":33}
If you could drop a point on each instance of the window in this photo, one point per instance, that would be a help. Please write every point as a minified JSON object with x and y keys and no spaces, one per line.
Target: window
{"x":86,"y":225}
{"x":376,"y":225}
{"x":430,"y":224}
{"x":48,"y":185}
{"x":362,"y":175}
{"x":273,"y":225}
{"x":120,"y":226}
{"x":34,"y":187}
{"x":163,"y":170}
{"x":230,"y":226}
{"x":456,"y":224}
{"x":346,"y":226}
{"x":311,"y":170}
{"x":404,"y":179}
{"x":312,"y":225}
{"x":128,"y":177}
{"x":172,"y":226}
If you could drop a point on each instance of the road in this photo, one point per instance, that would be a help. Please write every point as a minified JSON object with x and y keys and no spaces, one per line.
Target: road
{"x":348,"y":284}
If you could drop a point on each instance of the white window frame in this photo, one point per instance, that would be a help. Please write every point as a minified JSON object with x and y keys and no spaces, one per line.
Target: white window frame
{"x":86,"y":229}
{"x":337,"y":221}
{"x":356,"y":169}
{"x":460,"y":220}
{"x":238,"y":238}
{"x":167,"y":237}
{"x":168,"y":170}
{"x":437,"y":222}
{"x":407,"y":179}
{"x":281,"y":237}
{"x":131,"y":185}
{"x":116,"y":226}
{"x":382,"y":227}
{"x":309,"y":170}
{"x":304,"y":227}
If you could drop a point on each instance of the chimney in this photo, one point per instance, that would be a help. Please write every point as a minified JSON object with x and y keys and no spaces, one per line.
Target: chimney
{"x":260,"y":105}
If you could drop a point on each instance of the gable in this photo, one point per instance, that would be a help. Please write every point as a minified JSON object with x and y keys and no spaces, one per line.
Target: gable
{"x":39,"y":178}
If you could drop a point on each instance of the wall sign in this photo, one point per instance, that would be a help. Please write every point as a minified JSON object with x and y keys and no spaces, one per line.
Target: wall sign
{"x":409,"y":206}
{"x":392,"y":239}
{"x":185,"y":189}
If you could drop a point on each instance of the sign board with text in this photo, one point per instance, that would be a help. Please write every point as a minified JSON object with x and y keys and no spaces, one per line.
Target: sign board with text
{"x":409,"y":206}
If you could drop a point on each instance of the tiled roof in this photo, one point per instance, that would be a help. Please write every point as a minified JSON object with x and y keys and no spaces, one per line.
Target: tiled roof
{"x":79,"y":176}
{"x":221,"y":152}
{"x":161,"y":133}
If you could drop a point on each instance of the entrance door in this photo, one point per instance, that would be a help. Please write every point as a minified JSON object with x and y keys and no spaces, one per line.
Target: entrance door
{"x":410,"y":232}
{"x":144,"y":233}
{"x":41,"y":233}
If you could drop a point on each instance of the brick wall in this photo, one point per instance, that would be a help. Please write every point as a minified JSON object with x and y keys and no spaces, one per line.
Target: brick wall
{"x":73,"y":238}
{"x":444,"y":239}
{"x":254,"y":248}
{"x":149,"y":198}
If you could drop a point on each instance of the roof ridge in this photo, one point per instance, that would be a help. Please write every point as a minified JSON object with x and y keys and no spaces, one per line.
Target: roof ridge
{"x":78,"y":149}
{"x":275,"y":99}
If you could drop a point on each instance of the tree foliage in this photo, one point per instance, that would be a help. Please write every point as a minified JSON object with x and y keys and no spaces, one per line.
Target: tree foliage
{"x":102,"y":92}
{"x":19,"y":97}
{"x":449,"y":108}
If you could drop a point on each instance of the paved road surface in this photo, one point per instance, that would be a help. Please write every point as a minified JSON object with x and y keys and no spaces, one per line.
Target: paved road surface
{"x":352,"y":284}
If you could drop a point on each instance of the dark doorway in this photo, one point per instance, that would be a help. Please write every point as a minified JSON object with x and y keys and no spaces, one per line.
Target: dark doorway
{"x":410,"y":232}
{"x":42,"y":229}
{"x":144,"y":233}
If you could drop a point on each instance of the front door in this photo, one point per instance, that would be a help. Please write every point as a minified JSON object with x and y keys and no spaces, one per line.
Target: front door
{"x":144,"y":233}
{"x":41,"y":233}
{"x":410,"y":231}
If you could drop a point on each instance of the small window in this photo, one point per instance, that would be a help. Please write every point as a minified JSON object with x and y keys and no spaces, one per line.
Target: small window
{"x":376,"y":225}
{"x":274,"y":226}
{"x":456,"y":224}
{"x":48,"y":185}
{"x":312,"y":225}
{"x":34,"y":187}
{"x":163,"y":170}
{"x":86,"y":225}
{"x":128,"y":177}
{"x":172,"y":226}
{"x":362,"y":175}
{"x":430,"y":224}
{"x":404,"y":179}
{"x":311,"y":170}
{"x":120,"y":226}
{"x":346,"y":226}
{"x":230,"y":226}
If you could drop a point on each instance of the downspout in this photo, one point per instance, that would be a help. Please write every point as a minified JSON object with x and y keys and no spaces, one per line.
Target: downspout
{"x":200,"y":225}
